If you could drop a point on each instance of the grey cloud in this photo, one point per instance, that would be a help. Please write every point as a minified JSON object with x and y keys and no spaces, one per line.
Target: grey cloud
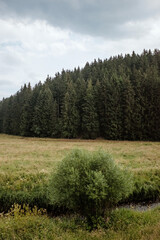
{"x":5,"y":82}
{"x":10,"y":59}
{"x":104,"y":18}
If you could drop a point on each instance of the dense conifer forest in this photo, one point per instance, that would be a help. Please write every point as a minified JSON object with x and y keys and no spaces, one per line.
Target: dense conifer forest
{"x":118,"y":98}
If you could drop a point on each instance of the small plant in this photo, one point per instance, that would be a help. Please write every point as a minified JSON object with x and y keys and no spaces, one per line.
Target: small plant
{"x":89,"y":183}
{"x":20,"y":211}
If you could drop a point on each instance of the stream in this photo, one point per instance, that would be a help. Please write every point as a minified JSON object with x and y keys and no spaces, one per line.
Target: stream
{"x":141,"y":207}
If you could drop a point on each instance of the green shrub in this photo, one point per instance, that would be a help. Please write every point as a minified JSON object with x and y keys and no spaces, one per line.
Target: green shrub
{"x":146,"y":186}
{"x":88,"y":183}
{"x":23,"y":189}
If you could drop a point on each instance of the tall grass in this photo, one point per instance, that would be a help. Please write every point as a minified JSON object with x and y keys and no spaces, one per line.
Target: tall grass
{"x":25,"y":167}
{"x":123,"y":224}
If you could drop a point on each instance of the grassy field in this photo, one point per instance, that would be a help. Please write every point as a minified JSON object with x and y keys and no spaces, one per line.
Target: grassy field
{"x":25,"y":167}
{"x":31,"y":155}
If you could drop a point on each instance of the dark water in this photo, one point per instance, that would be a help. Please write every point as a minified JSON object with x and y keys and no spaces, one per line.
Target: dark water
{"x":141,"y":206}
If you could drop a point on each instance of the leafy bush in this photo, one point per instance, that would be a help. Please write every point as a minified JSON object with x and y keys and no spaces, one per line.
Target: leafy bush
{"x":88,"y":183}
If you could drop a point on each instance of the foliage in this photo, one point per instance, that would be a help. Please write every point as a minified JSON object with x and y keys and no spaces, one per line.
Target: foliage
{"x":123,"y":224}
{"x":26,"y":164}
{"x":89,"y":183}
{"x":70,"y":113}
{"x":20,"y":211}
{"x":90,"y":124}
{"x":23,"y":189}
{"x":43,"y":114}
{"x":146,"y":187}
{"x":118,"y":98}
{"x":25,"y":169}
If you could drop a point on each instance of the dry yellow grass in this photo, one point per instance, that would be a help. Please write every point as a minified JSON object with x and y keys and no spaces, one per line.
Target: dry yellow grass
{"x":41,"y":154}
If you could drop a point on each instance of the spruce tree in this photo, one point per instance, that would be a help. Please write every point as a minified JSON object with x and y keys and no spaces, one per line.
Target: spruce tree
{"x":128,"y":109}
{"x":42,"y":120}
{"x":1,"y":117}
{"x":90,"y":124}
{"x":70,"y":114}
{"x":7,"y":119}
{"x":118,"y":98}
{"x":27,"y":113}
{"x":80,"y":89}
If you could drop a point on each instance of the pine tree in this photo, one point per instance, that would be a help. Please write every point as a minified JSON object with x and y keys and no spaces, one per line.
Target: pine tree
{"x":70,"y":114}
{"x":90,"y":124}
{"x":56,"y":127}
{"x":7,"y":119}
{"x":42,"y":120}
{"x":138,"y":108}
{"x":80,"y":89}
{"x":27,"y":113}
{"x":118,"y":98}
{"x":110,"y":107}
{"x":128,"y":109}
{"x":1,"y":116}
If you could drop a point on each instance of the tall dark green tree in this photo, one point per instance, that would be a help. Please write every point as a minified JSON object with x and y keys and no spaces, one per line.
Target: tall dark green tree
{"x":55,"y":122}
{"x":113,"y":113}
{"x":7,"y":117}
{"x":128,"y":109}
{"x":139,"y":105}
{"x":26,"y":113}
{"x":42,"y":120}
{"x":90,"y":124}
{"x":1,"y":117}
{"x":118,"y":98}
{"x":70,"y":114}
{"x":80,"y":88}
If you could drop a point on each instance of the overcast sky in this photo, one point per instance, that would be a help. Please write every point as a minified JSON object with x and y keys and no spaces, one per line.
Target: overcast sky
{"x":41,"y":37}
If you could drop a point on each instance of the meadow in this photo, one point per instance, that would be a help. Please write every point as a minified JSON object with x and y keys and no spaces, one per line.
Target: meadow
{"x":25,"y":167}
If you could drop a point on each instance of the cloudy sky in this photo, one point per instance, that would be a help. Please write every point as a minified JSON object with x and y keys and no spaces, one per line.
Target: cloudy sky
{"x":41,"y":37}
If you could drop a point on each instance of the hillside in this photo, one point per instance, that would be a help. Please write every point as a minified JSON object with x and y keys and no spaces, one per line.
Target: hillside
{"x":118,"y":98}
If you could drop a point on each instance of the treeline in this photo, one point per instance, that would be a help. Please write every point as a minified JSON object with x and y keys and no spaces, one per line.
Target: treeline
{"x":118,"y":98}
